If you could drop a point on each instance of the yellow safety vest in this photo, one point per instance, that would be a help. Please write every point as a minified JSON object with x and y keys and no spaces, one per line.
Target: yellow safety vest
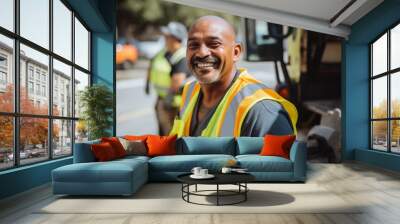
{"x":228,"y":118}
{"x":160,"y":72}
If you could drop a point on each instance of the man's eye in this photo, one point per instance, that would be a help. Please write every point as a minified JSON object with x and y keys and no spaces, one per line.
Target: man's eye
{"x":193,"y":46}
{"x":214,"y":44}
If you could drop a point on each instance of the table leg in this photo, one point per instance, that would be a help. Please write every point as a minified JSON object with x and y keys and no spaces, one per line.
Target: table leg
{"x":245,"y":191}
{"x":217,"y":194}
{"x":182,"y":188}
{"x":196,"y":188}
{"x":188,"y":190}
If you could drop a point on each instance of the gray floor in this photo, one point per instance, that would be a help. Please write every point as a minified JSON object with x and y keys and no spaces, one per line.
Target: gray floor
{"x":378,"y":188}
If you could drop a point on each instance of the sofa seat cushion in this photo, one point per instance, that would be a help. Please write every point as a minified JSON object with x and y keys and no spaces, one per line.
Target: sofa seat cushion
{"x":257,"y":163}
{"x":185,"y":163}
{"x":133,"y":158}
{"x":112,"y":171}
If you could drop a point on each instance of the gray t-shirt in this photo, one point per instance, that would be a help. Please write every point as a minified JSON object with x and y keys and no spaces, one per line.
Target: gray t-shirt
{"x":265,"y":117}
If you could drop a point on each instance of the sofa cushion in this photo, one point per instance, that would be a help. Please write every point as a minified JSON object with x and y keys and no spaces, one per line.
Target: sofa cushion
{"x":132,"y":159}
{"x":206,"y":145}
{"x":137,"y":137}
{"x":134,"y":147}
{"x":257,"y":163}
{"x":116,"y":145}
{"x":185,"y":163}
{"x":111,"y":171}
{"x":161,"y":145}
{"x":103,"y":152}
{"x":277,"y":145}
{"x":249,"y":145}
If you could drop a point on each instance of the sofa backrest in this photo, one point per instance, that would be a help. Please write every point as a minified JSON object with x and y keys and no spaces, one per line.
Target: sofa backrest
{"x":249,"y":145}
{"x":206,"y":145}
{"x":83,"y":153}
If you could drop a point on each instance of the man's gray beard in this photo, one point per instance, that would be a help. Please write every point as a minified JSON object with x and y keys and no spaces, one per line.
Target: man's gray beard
{"x":218,"y":77}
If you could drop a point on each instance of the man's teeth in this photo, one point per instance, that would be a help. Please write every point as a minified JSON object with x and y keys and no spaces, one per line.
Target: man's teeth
{"x":203,"y":65}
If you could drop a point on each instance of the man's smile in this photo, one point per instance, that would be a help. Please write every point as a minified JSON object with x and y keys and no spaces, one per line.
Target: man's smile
{"x":206,"y":63}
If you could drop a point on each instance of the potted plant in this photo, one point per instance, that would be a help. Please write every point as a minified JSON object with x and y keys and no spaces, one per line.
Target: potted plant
{"x":96,"y":103}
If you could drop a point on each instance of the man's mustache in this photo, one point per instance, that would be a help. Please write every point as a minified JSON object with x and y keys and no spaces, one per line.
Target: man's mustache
{"x":207,"y":59}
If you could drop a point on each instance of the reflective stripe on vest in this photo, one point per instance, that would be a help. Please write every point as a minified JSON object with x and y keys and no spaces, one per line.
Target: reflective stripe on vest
{"x":187,"y":94}
{"x":160,"y":70}
{"x":229,"y":115}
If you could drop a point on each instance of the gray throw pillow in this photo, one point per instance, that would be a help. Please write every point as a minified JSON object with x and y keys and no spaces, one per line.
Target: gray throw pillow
{"x":136,"y":147}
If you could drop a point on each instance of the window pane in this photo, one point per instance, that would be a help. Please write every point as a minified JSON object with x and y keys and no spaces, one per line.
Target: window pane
{"x":81,"y":45}
{"x":62,"y":29}
{"x":6,"y":74}
{"x":81,"y":131}
{"x":33,"y":139}
{"x":7,"y":14}
{"x":62,"y":89}
{"x":62,"y":138}
{"x":395,"y":94}
{"x":395,"y":138}
{"x":81,"y":81}
{"x":379,"y":55}
{"x":35,"y":21}
{"x":379,"y":97}
{"x":379,"y":135}
{"x":34,"y":79}
{"x":6,"y":142}
{"x":395,"y":47}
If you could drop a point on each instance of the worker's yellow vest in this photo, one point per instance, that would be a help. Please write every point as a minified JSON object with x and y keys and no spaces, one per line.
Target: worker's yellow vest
{"x":228,"y":118}
{"x":160,"y":72}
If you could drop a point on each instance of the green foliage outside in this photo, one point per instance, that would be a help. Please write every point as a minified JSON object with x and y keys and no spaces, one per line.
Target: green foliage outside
{"x":97,"y":104}
{"x":141,"y":14}
{"x":380,"y":127}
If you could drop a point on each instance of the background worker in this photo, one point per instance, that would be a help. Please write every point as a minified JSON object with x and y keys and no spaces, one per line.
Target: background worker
{"x":167,"y":73}
{"x":225,"y":100}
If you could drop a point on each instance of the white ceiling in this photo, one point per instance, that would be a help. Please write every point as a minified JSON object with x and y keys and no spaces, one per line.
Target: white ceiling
{"x":321,"y":9}
{"x":315,"y":15}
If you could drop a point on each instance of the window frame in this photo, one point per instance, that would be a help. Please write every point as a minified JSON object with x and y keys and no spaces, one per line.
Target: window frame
{"x":388,"y":74}
{"x":16,"y":115}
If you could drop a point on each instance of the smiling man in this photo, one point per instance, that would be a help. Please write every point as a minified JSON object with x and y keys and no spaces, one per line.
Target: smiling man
{"x":226,"y":100}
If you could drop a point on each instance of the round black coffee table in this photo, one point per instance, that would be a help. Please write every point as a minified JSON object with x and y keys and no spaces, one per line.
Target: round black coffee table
{"x":238,"y":179}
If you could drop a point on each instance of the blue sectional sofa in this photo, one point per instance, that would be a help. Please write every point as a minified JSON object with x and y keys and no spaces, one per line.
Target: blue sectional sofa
{"x":125,"y":176}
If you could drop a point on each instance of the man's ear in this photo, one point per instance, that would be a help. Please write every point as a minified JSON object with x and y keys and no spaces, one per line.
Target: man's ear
{"x":237,"y":51}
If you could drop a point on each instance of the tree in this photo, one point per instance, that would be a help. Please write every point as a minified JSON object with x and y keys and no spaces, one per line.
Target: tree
{"x":97,"y":104}
{"x":33,"y":131}
{"x":6,"y":122}
{"x":138,"y":15}
{"x":380,"y":127}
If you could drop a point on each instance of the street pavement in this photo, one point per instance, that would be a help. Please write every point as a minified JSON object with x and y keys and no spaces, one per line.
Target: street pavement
{"x":135,"y":109}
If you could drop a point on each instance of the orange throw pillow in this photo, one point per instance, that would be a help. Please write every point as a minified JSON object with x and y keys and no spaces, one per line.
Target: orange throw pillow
{"x":116,"y":145}
{"x":161,"y":145}
{"x":103,"y":151}
{"x":137,"y":137}
{"x":277,"y":145}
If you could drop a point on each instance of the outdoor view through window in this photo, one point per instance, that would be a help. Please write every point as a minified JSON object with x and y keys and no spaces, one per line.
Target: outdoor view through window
{"x":385,"y":82}
{"x":35,"y":74}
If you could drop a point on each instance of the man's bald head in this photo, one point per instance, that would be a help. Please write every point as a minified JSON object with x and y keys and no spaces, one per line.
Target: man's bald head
{"x":217,"y":21}
{"x":212,"y":50}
